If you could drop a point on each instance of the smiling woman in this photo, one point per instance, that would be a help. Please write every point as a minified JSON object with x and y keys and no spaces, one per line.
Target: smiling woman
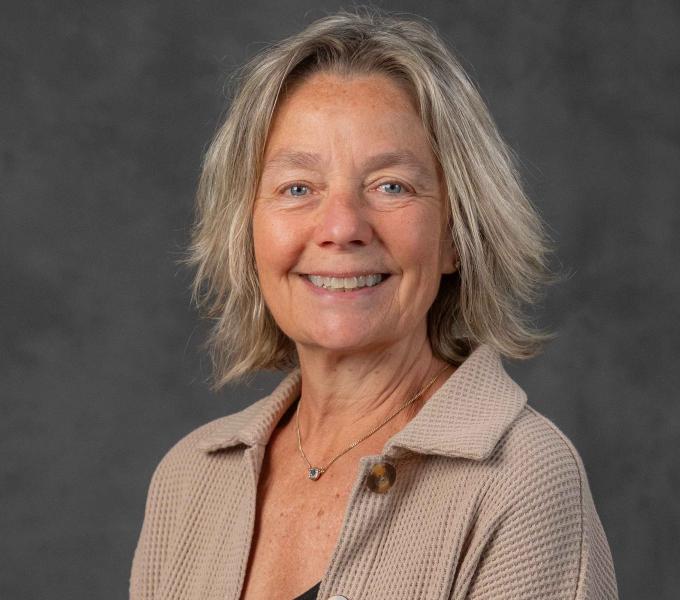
{"x":360,"y":225}
{"x":362,"y":200}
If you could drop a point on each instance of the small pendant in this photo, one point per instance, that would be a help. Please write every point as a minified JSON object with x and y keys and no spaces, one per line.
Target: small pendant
{"x":314,"y":473}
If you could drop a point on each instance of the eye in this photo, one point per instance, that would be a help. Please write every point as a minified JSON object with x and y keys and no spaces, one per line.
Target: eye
{"x":297,"y":189}
{"x":392,"y":187}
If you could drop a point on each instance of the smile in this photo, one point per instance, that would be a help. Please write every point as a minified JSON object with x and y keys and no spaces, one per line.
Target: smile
{"x":346,"y":284}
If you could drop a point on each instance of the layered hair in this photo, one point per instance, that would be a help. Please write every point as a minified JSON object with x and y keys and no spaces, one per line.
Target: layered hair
{"x":500,"y":239}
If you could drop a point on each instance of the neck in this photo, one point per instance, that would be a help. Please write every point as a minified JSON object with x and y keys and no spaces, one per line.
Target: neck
{"x":345,"y":396}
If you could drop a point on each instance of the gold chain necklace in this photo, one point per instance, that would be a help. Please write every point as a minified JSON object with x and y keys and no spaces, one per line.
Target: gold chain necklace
{"x":315,"y":472}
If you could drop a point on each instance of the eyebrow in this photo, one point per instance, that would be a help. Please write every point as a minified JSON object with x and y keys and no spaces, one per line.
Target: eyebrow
{"x":306,"y":160}
{"x":293,"y":158}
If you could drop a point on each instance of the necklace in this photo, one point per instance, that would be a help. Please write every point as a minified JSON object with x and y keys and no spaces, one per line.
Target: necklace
{"x":315,"y":472}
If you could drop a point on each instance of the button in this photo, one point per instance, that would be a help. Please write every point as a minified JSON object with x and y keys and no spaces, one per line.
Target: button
{"x":381,"y":477}
{"x":337,"y":598}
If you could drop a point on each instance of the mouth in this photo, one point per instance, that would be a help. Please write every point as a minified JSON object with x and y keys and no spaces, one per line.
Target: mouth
{"x":346,"y":284}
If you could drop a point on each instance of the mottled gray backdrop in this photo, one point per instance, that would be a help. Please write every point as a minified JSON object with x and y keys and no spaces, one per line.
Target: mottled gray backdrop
{"x":105,"y":111}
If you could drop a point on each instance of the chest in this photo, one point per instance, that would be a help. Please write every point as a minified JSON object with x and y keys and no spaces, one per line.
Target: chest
{"x":293,"y":541}
{"x":297,"y":525}
{"x":273,"y":535}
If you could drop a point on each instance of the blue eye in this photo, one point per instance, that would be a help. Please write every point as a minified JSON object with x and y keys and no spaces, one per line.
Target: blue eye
{"x":392,"y":187}
{"x":297,"y":189}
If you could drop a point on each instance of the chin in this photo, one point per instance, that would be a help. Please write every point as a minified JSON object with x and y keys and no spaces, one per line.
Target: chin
{"x":342,"y":340}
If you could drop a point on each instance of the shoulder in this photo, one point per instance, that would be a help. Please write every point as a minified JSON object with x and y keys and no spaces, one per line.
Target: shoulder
{"x":533,"y":502}
{"x":224,"y":439}
{"x":542,"y":517}
{"x":191,"y":443}
{"x":535,"y":462}
{"x":182,"y":460}
{"x":536,"y":434}
{"x":539,"y":503}
{"x":188,"y":455}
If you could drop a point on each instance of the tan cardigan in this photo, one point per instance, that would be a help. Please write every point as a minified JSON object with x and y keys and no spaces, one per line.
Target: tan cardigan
{"x":490,"y":501}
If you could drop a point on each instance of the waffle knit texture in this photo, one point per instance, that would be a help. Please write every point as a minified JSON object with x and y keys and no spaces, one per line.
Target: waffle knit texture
{"x":491,"y":502}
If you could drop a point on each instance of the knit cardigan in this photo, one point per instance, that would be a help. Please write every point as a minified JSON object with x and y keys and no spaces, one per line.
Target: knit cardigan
{"x":491,"y":501}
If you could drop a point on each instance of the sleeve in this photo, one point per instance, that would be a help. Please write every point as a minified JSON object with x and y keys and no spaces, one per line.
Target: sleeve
{"x":548,"y":543}
{"x":154,"y":539}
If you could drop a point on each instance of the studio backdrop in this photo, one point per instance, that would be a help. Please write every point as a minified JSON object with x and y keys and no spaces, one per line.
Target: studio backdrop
{"x":105,"y":112}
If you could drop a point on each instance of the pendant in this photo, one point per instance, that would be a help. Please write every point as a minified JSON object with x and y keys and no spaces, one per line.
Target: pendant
{"x":314,"y":473}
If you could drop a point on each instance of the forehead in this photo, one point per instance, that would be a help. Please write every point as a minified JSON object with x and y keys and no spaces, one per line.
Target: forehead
{"x":353,"y":90}
{"x":368,"y":111}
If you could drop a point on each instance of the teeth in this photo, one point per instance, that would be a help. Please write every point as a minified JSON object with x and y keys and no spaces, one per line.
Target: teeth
{"x":345,"y":283}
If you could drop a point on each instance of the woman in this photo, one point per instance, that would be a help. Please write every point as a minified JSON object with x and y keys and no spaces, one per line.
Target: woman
{"x":361,"y":226}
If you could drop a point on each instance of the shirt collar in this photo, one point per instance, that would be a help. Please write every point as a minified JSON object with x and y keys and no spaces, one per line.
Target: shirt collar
{"x":465,"y":417}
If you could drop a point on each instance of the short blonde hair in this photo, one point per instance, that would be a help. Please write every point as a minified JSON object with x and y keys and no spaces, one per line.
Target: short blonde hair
{"x":500,"y":239}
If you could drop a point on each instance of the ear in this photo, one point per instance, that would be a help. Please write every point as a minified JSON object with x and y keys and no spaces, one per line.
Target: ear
{"x":449,"y":253}
{"x":450,"y":259}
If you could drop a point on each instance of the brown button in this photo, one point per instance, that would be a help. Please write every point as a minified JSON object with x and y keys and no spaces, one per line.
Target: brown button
{"x":381,"y":477}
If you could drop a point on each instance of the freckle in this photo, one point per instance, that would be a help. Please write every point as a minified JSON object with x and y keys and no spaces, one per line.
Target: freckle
{"x":337,"y":494}
{"x":320,"y":512}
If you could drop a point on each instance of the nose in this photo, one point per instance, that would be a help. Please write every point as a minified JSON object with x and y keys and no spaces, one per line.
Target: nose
{"x":342,"y":221}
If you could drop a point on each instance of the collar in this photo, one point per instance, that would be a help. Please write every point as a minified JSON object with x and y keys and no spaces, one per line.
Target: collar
{"x":465,"y":417}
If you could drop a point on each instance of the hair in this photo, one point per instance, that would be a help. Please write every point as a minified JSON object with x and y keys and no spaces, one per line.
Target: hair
{"x":500,"y":239}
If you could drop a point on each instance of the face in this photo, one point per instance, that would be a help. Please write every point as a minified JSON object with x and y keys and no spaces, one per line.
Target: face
{"x":349,"y":217}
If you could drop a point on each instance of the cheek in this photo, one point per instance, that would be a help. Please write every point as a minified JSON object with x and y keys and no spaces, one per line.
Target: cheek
{"x":277,"y":244}
{"x":416,"y":240}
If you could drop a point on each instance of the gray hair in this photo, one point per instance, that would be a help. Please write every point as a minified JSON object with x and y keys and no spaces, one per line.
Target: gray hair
{"x":500,"y":239}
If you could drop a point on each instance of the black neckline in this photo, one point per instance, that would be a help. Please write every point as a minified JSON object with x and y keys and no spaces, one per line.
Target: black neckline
{"x":310,"y":594}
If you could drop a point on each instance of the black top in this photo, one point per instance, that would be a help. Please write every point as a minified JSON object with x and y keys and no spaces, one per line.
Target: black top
{"x":310,"y":594}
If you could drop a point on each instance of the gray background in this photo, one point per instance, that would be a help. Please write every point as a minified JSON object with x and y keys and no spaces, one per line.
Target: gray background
{"x":105,"y":111}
